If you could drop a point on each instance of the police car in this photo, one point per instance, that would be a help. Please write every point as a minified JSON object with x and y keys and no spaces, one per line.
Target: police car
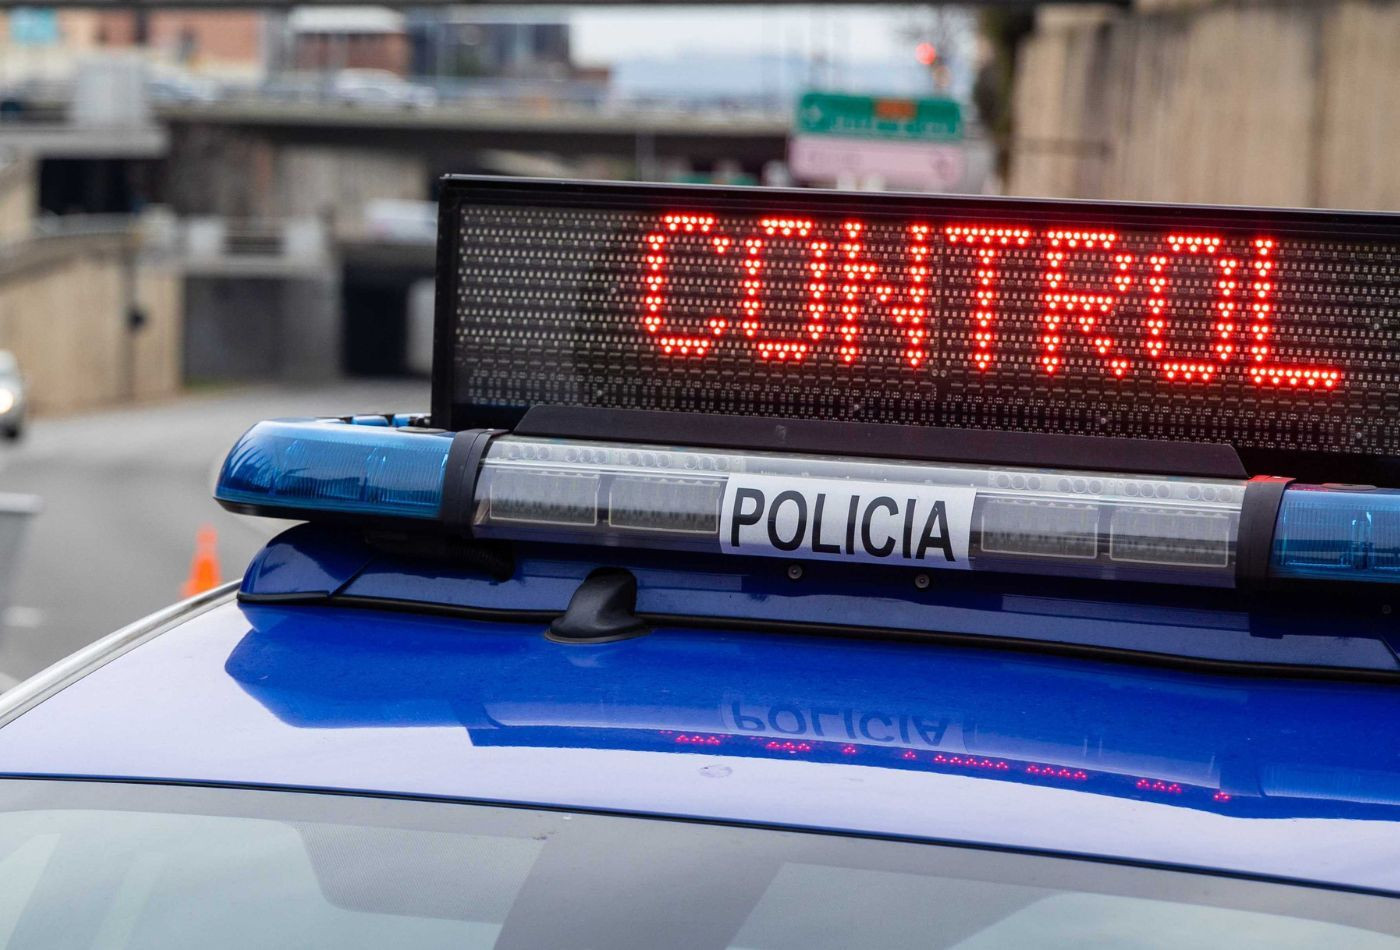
{"x":782,"y":569}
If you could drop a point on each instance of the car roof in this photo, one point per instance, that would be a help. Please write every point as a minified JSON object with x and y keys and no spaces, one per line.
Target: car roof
{"x":1258,"y":775}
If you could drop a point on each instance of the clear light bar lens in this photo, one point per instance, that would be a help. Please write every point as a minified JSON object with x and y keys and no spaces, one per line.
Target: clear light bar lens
{"x":1171,"y":536}
{"x":546,"y":498}
{"x":827,"y":507}
{"x":671,"y":505}
{"x":1036,"y":528}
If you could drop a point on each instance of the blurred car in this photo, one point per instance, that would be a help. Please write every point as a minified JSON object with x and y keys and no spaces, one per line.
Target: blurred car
{"x":402,"y":220}
{"x":181,"y":89}
{"x":13,"y":404}
{"x":12,"y":106}
{"x":378,"y":87}
{"x":292,"y":87}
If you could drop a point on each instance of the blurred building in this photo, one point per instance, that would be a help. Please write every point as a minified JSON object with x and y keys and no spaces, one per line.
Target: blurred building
{"x":47,"y":42}
{"x":91,"y":311}
{"x":490,"y":41}
{"x":330,"y":38}
{"x":223,"y":41}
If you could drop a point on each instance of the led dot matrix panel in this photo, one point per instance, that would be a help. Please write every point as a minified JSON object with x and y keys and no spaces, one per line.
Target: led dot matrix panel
{"x":1269,"y":330}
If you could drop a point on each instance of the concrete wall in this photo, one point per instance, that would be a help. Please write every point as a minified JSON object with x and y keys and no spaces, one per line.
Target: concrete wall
{"x":225,"y":170}
{"x":157,"y":346}
{"x":64,"y":303}
{"x":18,"y":197}
{"x":341,"y":181}
{"x":1233,"y":101}
{"x":240,"y":327}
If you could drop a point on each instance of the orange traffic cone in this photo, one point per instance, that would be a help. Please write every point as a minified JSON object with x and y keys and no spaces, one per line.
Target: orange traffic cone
{"x":204,"y":569}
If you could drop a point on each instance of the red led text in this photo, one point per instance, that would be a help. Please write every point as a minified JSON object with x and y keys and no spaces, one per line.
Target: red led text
{"x":1127,"y":312}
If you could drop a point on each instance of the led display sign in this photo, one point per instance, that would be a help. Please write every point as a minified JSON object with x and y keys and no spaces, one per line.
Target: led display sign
{"x":1269,"y":330}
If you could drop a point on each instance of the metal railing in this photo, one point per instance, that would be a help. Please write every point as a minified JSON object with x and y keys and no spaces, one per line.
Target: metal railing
{"x":48,"y":100}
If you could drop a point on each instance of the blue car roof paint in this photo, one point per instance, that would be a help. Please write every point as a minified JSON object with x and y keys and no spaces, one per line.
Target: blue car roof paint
{"x":1296,"y":779}
{"x":1145,"y":619}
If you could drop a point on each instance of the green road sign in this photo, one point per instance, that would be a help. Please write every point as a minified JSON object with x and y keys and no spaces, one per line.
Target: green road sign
{"x":875,"y":117}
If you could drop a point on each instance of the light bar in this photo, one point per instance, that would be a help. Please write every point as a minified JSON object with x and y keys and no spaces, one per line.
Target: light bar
{"x":805,"y":506}
{"x":911,"y":514}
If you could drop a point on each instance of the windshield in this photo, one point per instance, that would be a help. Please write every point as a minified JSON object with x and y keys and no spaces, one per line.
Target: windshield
{"x":113,"y":866}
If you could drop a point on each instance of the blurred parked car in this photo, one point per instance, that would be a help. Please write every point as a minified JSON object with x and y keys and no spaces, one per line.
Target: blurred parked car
{"x":175,"y":88}
{"x":12,"y":107}
{"x":293,"y":87}
{"x":402,"y":220}
{"x":12,"y":400}
{"x":378,"y":87}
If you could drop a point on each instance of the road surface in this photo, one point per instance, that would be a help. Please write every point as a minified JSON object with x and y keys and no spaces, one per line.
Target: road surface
{"x":124,"y":493}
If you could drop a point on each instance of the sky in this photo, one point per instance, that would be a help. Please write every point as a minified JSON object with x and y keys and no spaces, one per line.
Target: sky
{"x":843,"y":33}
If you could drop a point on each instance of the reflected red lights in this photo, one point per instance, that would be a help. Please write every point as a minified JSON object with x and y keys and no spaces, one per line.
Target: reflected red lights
{"x":1014,"y":770}
{"x":1095,"y":298}
{"x":972,"y":762}
{"x":1157,"y":785}
{"x":1056,"y":771}
{"x":792,"y":748}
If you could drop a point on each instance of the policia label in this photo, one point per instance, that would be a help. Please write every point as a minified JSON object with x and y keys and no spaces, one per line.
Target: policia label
{"x":886,"y":522}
